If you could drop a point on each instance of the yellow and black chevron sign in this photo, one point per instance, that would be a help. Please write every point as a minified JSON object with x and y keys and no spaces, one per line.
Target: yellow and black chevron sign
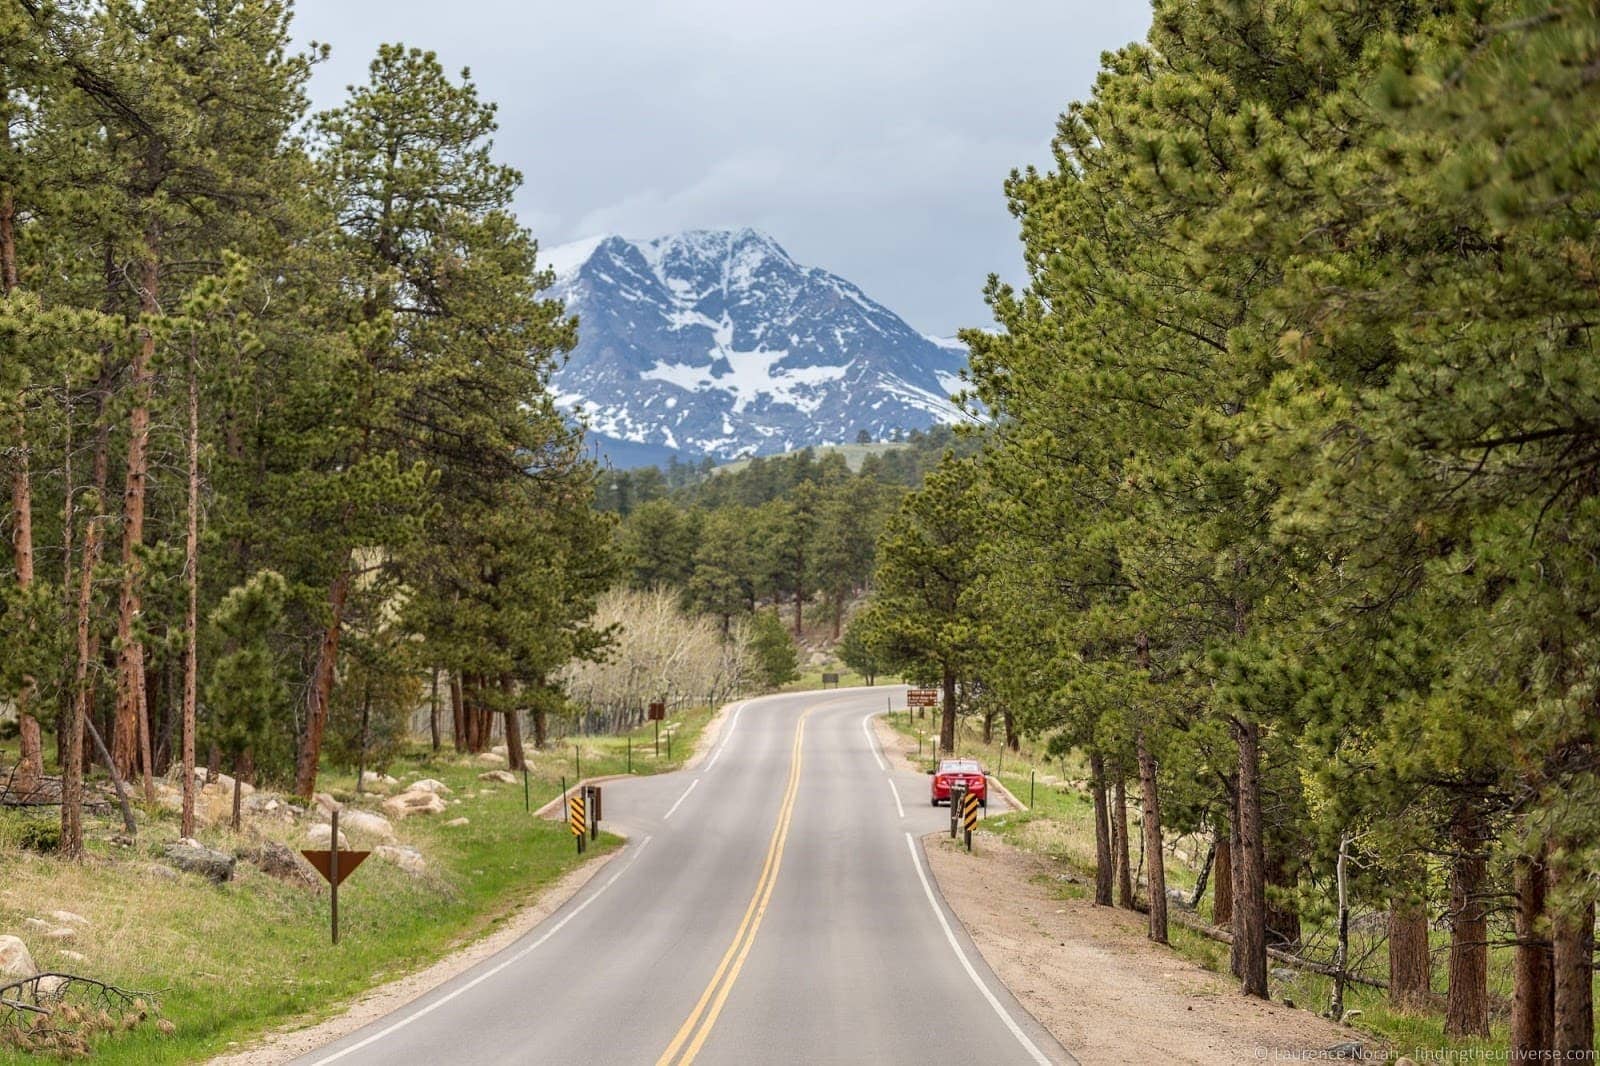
{"x":969,"y":812}
{"x":576,"y":816}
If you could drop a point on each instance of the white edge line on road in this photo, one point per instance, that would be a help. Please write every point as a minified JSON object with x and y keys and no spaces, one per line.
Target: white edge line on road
{"x":966,"y":963}
{"x":674,"y":808}
{"x":896,"y":793}
{"x":482,"y":977}
{"x":872,"y":745}
{"x":732,"y":722}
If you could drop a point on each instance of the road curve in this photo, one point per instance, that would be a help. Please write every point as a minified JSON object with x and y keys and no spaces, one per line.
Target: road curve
{"x":772,"y":906}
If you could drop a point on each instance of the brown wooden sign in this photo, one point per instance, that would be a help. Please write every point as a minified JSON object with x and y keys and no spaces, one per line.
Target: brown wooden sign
{"x":830,"y":679}
{"x":658,"y":711}
{"x":323,"y":861}
{"x":922,"y":697}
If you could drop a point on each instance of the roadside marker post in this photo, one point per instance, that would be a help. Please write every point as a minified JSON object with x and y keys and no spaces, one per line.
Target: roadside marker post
{"x":958,"y":796}
{"x":658,"y":711}
{"x":591,"y":798}
{"x":330,"y":866}
{"x":527,"y":802}
{"x":630,"y":753}
{"x":1030,"y":789}
{"x":970,"y":818}
{"x":577,"y":821}
{"x":577,"y":763}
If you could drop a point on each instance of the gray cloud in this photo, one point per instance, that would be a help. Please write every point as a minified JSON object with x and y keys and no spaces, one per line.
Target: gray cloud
{"x":870,"y":137}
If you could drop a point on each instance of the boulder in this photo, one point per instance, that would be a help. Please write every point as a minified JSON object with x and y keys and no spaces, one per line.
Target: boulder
{"x":499,"y":749}
{"x":320,"y":834}
{"x":408,"y":803}
{"x":15,"y":959}
{"x":326,"y":803}
{"x":505,"y":777}
{"x":408,"y":859}
{"x":368,"y":823}
{"x":372,"y":779}
{"x":195,"y":858}
{"x":73,"y":956}
{"x":68,"y":918}
{"x":1178,"y":898}
{"x":280,"y":861}
{"x":428,"y":784}
{"x":38,"y":925}
{"x":454,"y":822}
{"x":490,"y":758}
{"x":61,"y":933}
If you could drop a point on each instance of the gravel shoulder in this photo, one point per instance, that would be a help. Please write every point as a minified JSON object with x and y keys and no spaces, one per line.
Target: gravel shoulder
{"x":1091,"y":978}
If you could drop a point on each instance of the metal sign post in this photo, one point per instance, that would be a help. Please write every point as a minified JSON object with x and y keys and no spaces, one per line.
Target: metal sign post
{"x":576,"y":821}
{"x":335,"y":866}
{"x":970,"y":818}
{"x":658,"y":711}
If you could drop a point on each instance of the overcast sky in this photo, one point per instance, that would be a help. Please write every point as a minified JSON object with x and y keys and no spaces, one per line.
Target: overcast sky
{"x":869,"y":137}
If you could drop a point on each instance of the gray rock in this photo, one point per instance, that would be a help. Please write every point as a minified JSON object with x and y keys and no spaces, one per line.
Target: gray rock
{"x":1178,"y":898}
{"x":280,"y":861}
{"x":320,"y":836}
{"x":15,"y":958}
{"x":1283,"y":973}
{"x":194,"y":858}
{"x":408,"y":859}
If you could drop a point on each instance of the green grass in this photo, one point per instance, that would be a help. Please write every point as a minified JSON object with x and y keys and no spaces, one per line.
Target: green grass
{"x":233,"y":960}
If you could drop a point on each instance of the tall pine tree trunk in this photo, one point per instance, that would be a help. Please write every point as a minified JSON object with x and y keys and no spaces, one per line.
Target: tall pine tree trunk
{"x":1572,"y":959}
{"x":1104,"y":864}
{"x":130,"y":738}
{"x":1222,"y":879}
{"x":1283,"y":921}
{"x":191,"y":614}
{"x":72,"y":747}
{"x":515,"y":758}
{"x":1467,"y":1009}
{"x":1249,"y":866}
{"x":1409,"y":960}
{"x":947,"y":721}
{"x":321,"y":695}
{"x":1119,"y":839}
{"x":1533,"y":993}
{"x":1155,"y":861}
{"x":433,"y":711}
{"x":458,"y":713}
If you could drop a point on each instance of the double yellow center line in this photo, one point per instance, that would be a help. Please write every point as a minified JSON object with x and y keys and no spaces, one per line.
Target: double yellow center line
{"x":697,"y":1027}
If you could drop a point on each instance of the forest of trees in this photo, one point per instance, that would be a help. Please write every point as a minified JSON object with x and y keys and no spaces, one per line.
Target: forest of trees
{"x":1289,"y":519}
{"x":789,"y":530}
{"x":273,"y":403}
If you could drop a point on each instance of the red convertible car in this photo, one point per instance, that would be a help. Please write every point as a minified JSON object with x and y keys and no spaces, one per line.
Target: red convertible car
{"x":952,"y":771}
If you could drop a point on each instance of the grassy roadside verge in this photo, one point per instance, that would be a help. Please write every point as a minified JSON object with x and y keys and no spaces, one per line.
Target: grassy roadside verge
{"x":231,"y":961}
{"x":1060,"y":825}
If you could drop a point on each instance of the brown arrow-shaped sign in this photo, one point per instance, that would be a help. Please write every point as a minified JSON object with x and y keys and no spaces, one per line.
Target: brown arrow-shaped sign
{"x":323,"y":861}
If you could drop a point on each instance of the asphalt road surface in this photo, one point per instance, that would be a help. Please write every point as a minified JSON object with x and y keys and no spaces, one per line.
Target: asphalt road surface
{"x":771,"y":906}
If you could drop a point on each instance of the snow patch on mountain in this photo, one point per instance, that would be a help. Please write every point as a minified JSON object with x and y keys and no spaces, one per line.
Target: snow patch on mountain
{"x":716,"y":342}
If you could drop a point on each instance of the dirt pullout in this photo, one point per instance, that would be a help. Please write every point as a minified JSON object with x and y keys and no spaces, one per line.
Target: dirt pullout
{"x":1089,"y":975}
{"x":286,"y":1044}
{"x":897,"y":747}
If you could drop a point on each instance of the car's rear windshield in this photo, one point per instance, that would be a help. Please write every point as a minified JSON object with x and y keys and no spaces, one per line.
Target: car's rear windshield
{"x":955,"y":767}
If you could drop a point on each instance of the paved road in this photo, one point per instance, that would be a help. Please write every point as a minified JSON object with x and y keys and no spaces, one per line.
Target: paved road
{"x":772,"y":906}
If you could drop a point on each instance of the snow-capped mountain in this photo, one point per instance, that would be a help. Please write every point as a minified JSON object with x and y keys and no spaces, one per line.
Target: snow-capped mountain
{"x":718,"y":343}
